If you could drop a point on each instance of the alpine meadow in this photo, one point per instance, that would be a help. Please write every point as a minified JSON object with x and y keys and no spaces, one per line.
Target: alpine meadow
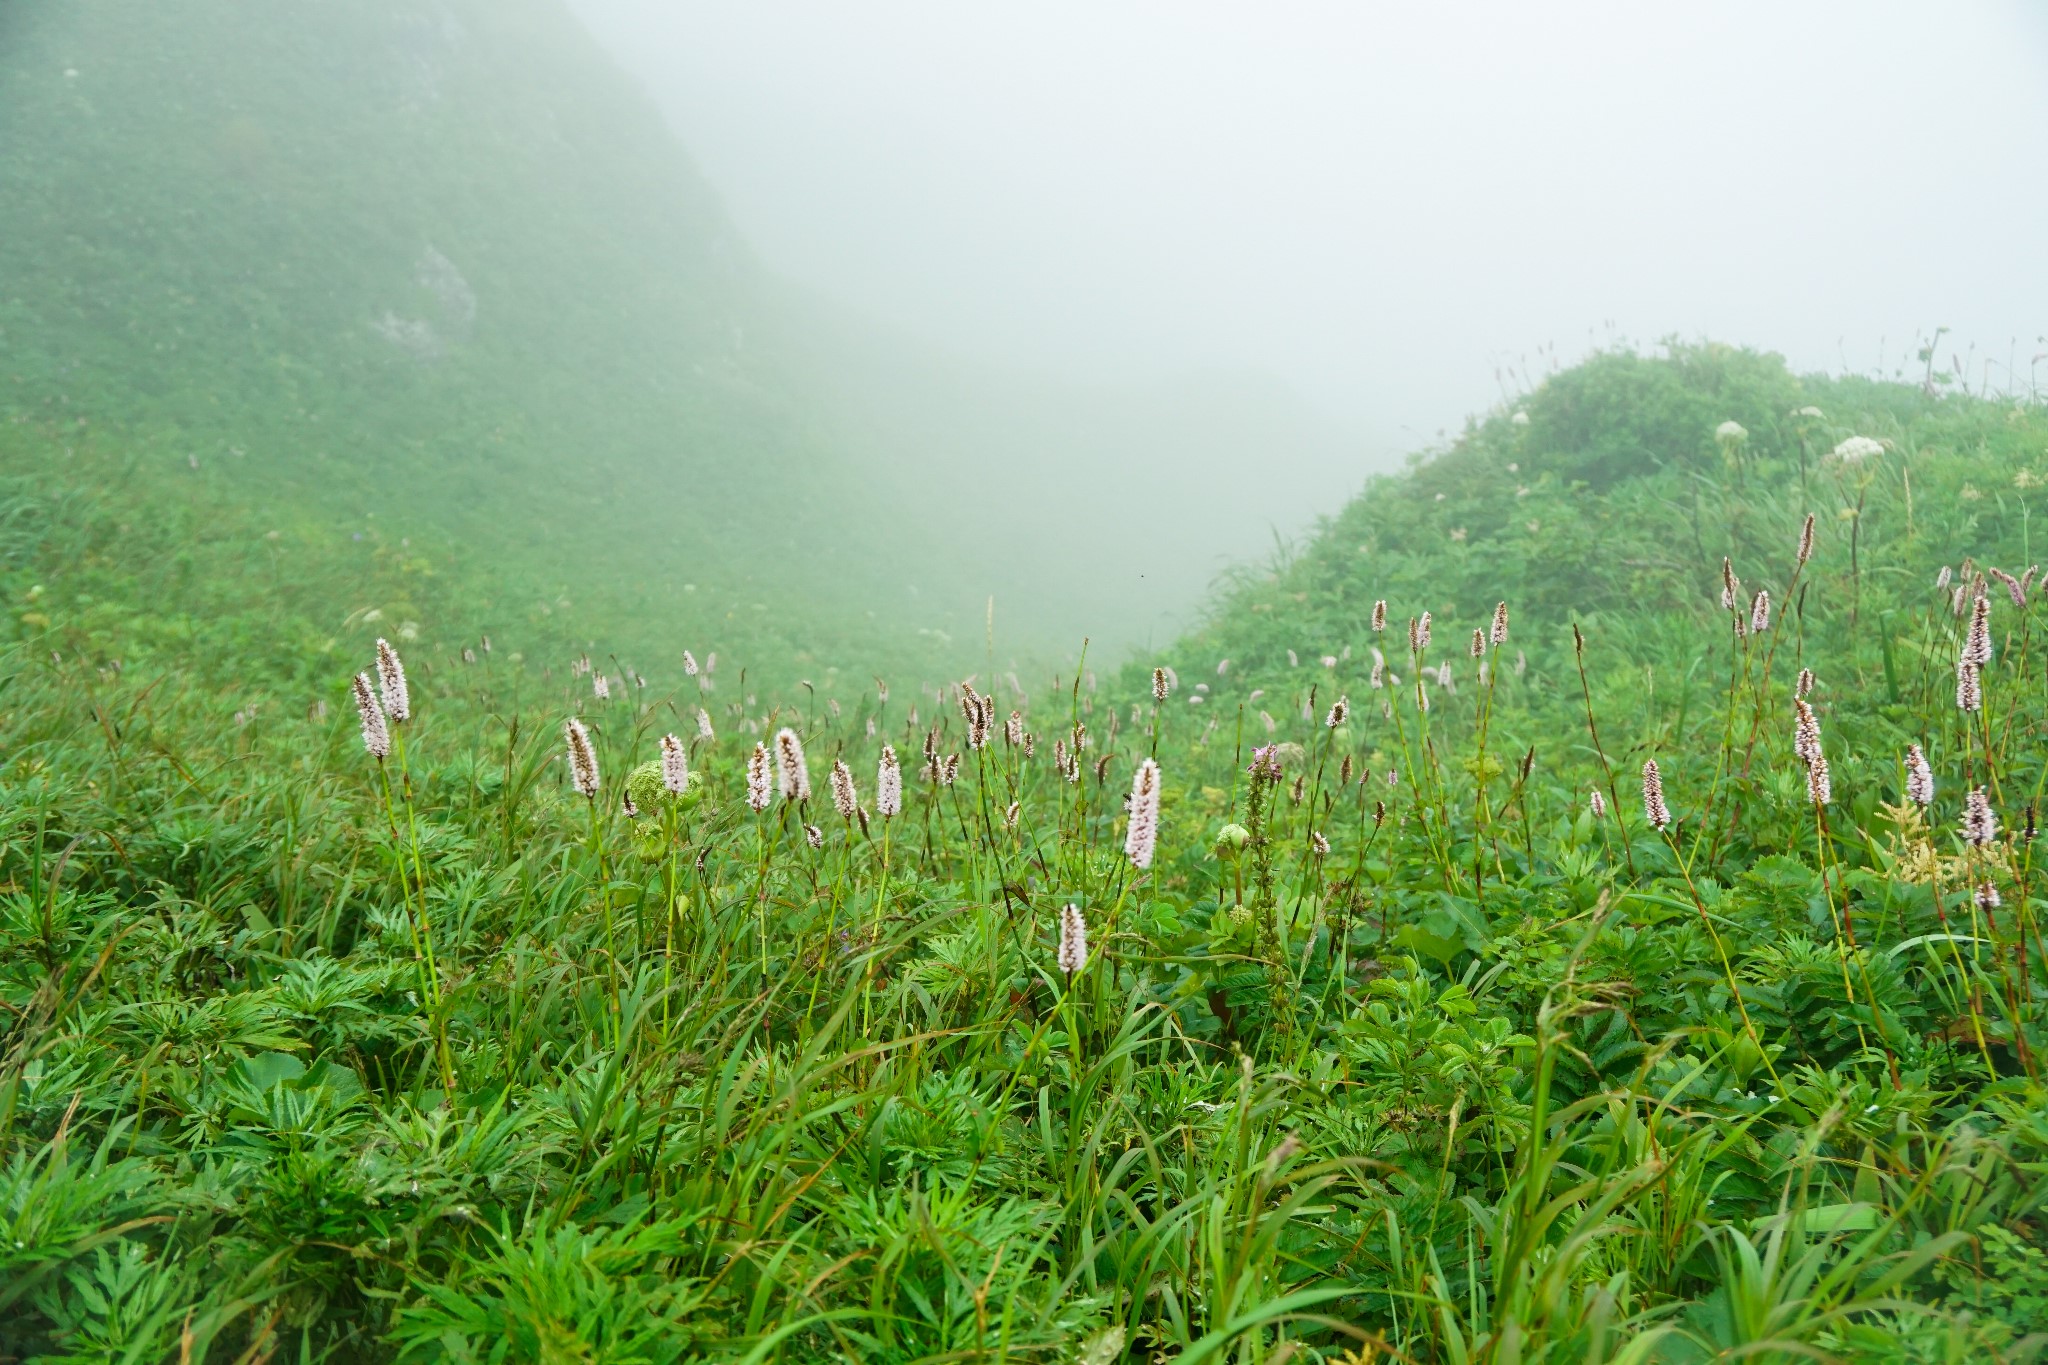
{"x":564,"y":798}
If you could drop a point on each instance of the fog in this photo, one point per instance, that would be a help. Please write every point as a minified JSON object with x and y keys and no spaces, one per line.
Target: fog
{"x":1397,"y":212}
{"x":868,"y":314}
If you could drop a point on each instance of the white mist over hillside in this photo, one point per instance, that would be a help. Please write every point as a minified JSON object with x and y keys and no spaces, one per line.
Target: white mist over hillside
{"x":1382,"y":207}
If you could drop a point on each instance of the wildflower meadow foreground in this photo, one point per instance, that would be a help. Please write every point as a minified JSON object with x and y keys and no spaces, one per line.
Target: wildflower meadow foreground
{"x":1551,"y":916}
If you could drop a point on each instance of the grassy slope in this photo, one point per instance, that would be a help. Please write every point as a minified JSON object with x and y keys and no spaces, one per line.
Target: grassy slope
{"x":212,"y":210}
{"x":1615,"y":497}
{"x":1475,"y":1082}
{"x":438,"y":274}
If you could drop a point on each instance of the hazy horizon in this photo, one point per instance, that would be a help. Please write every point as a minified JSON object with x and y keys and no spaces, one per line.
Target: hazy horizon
{"x":1394,"y":214}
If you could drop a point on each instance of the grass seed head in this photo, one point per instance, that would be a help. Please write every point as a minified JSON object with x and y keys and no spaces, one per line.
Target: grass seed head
{"x":1289,"y":1148}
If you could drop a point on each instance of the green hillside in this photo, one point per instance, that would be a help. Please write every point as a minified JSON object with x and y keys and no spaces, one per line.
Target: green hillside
{"x":1606,"y":491}
{"x":428,"y":271}
{"x":1411,"y":1027}
{"x":438,"y":274}
{"x":1596,"y":959}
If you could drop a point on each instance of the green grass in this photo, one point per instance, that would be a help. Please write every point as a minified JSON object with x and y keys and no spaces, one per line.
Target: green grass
{"x":311,"y":1056}
{"x":444,"y":275}
{"x":443,"y":278}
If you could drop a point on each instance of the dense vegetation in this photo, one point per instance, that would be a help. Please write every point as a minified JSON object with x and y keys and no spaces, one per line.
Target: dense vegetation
{"x":1400,"y":1044}
{"x":439,"y":274}
{"x":437,"y":277}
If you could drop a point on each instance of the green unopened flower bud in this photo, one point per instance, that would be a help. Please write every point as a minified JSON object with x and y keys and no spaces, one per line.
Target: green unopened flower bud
{"x":645,"y":785}
{"x":1230,"y":841}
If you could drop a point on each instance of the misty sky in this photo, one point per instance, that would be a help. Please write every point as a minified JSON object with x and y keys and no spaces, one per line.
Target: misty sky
{"x":1382,"y":205}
